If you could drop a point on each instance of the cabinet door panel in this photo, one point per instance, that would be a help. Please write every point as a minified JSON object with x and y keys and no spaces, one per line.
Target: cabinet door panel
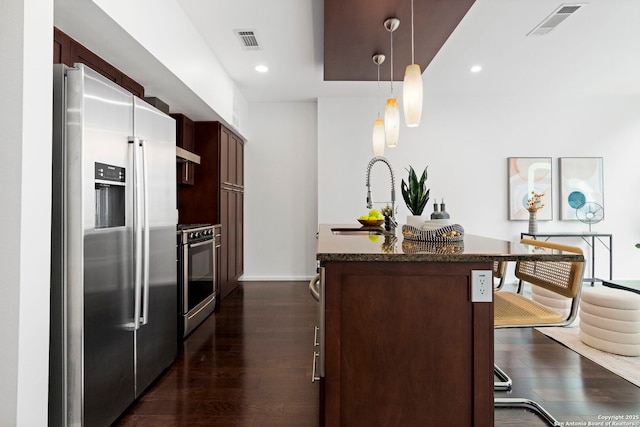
{"x":61,"y":48}
{"x":228,"y":211}
{"x":81,"y":54}
{"x":231,"y":161}
{"x":185,"y":132}
{"x":233,"y":227}
{"x":218,"y":260}
{"x":224,"y":156}
{"x":224,"y":221}
{"x":239,"y":162}
{"x":239,"y":233}
{"x":132,"y":86}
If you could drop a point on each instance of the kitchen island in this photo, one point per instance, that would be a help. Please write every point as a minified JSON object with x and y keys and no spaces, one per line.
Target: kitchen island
{"x":401,"y":342}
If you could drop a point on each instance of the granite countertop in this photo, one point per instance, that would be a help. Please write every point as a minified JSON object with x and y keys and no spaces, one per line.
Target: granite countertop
{"x":394,"y":247}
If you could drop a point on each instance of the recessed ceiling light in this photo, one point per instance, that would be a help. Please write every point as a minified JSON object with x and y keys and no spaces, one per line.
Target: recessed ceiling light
{"x":476,"y":68}
{"x":262,"y":68}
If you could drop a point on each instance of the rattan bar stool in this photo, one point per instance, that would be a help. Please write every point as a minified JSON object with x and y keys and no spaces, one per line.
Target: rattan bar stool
{"x":516,"y":310}
{"x":499,"y":269}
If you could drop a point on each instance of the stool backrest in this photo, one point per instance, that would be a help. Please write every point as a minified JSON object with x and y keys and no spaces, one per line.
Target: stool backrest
{"x":499,"y":268}
{"x":561,"y":277}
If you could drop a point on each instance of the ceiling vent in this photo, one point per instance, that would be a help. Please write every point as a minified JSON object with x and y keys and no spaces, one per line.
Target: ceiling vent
{"x":553,"y":20}
{"x":248,"y":39}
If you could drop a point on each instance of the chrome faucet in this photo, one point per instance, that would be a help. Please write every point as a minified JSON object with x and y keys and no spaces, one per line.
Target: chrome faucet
{"x":393,"y":186}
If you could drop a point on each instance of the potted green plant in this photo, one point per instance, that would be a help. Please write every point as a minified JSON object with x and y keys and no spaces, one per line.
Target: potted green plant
{"x":415,"y":194}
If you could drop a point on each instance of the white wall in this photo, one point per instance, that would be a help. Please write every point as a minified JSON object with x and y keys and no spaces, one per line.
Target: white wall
{"x":465,"y":143}
{"x":25,"y":175}
{"x":176,"y":48}
{"x":280,"y":192}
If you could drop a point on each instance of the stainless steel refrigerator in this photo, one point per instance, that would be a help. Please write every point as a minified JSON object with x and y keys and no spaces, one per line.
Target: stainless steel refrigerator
{"x":113,"y":274}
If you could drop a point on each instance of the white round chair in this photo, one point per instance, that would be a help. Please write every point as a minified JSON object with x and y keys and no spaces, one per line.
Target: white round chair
{"x":610,"y":320}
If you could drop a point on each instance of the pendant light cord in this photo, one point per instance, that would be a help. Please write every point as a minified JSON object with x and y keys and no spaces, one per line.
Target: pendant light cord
{"x":392,"y":63}
{"x":378,"y":100}
{"x":413,"y":60}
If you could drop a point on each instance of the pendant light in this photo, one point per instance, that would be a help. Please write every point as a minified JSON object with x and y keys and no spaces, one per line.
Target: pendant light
{"x":392,"y":112}
{"x":378,"y":124}
{"x":412,"y":87}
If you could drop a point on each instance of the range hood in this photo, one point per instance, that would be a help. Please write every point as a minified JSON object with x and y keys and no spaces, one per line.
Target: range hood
{"x":183,"y":155}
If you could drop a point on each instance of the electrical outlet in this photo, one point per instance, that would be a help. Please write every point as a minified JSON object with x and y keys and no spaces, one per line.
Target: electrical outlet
{"x":481,"y":286}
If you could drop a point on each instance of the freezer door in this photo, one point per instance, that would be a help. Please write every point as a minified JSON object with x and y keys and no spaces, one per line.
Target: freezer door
{"x":157,"y":337}
{"x":100,"y":287}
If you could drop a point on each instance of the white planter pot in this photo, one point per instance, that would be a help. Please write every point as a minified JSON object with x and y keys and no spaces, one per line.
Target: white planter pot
{"x":415,"y":220}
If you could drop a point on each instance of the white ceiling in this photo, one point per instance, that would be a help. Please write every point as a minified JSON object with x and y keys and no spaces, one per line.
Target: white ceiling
{"x":290,"y":35}
{"x":594,"y":51}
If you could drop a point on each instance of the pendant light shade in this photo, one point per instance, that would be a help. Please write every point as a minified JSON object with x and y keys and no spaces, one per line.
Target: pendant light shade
{"x":378,"y":124}
{"x":412,"y":95}
{"x":412,"y":87}
{"x":392,"y":112}
{"x":378,"y":137}
{"x":392,"y":122}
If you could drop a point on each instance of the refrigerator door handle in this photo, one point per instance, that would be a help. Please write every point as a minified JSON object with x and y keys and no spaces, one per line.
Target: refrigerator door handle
{"x":145,"y":235}
{"x":137,"y":231}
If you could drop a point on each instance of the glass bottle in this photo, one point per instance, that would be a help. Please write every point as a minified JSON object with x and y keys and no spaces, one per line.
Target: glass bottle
{"x":443,"y":212}
{"x":436,"y":212}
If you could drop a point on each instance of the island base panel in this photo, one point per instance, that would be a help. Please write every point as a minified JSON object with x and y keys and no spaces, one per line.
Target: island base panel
{"x":405,"y":345}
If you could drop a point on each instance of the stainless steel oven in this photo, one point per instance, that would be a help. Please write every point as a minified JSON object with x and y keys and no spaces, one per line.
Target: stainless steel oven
{"x":198,"y":246}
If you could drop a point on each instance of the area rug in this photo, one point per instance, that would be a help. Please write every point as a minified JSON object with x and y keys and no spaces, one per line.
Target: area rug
{"x":624,"y":366}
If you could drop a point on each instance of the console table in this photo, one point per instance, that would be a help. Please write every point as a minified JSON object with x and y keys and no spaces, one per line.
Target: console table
{"x":590,"y":238}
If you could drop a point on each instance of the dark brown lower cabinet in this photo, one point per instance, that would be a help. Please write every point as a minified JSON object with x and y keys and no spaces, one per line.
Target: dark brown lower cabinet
{"x":232,"y":212}
{"x":405,"y":346}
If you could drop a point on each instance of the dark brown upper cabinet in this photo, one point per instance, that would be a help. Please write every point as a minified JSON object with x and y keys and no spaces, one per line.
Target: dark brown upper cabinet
{"x":69,"y":51}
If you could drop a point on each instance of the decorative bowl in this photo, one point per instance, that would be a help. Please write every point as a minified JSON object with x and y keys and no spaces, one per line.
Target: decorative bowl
{"x":371,"y":222}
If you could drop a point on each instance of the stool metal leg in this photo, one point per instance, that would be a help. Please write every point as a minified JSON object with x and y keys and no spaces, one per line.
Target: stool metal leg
{"x":504,"y":383}
{"x":511,"y":402}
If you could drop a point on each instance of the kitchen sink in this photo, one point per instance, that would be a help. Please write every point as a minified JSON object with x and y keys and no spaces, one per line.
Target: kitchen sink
{"x":346,"y":231}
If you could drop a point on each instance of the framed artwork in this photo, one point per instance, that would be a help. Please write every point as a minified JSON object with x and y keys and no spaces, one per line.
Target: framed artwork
{"x":527,"y":174}
{"x":581,"y":180}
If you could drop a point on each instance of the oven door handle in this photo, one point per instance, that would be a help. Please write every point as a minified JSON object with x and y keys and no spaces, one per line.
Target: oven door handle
{"x":205,"y":242}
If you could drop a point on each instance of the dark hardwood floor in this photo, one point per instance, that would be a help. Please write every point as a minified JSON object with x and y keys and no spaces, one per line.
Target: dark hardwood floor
{"x":249,"y":365}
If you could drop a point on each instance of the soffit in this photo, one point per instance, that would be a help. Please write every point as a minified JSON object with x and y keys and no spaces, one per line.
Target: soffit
{"x":354,"y":32}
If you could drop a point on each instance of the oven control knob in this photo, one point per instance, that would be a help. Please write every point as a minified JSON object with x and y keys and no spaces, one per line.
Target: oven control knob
{"x":197,"y":234}
{"x":191,"y":235}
